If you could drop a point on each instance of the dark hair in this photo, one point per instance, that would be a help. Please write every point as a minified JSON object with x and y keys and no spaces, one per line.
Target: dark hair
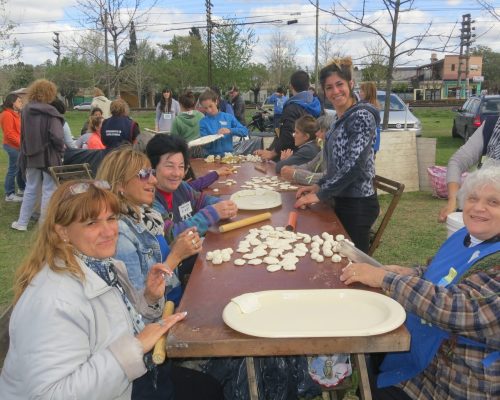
{"x":208,"y":95}
{"x":340,"y":66}
{"x":58,"y":105}
{"x":216,"y":89}
{"x":187,"y":100}
{"x":9,"y":101}
{"x":94,"y":110}
{"x":162,"y":143}
{"x":163,"y":102}
{"x":307,"y":124}
{"x":280,"y":89}
{"x":300,"y":81}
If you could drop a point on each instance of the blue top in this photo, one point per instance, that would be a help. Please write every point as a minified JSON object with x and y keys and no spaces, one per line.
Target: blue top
{"x":210,"y":125}
{"x":278,"y":102}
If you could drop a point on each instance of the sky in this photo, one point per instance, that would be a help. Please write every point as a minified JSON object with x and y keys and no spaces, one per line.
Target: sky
{"x":37,"y":20}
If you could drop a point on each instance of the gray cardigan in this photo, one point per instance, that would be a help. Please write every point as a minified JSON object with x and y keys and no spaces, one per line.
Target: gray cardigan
{"x":303,"y":154}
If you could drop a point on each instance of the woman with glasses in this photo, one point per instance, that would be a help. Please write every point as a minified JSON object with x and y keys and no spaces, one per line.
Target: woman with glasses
{"x":79,"y":329}
{"x":141,"y":243}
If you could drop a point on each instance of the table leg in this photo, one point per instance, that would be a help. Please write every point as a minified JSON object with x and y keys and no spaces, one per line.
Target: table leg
{"x":252,"y":379}
{"x":364,"y":381}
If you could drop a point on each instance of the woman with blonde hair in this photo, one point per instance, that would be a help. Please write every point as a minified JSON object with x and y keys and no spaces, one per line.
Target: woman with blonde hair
{"x":141,"y":242}
{"x":79,"y":329}
{"x":368,"y":93}
{"x":42,"y":146}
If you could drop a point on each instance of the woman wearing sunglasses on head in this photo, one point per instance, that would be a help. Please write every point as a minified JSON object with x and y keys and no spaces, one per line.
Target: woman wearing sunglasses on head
{"x":141,"y":243}
{"x":79,"y":330}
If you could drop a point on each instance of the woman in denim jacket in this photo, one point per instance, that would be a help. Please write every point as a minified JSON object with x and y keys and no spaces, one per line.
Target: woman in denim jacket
{"x":141,"y":243}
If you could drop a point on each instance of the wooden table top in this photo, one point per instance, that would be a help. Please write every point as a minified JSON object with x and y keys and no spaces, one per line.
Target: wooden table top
{"x":204,"y":334}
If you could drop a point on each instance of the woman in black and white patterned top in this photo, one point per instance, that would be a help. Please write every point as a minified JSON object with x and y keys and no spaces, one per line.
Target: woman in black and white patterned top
{"x":348,"y":182}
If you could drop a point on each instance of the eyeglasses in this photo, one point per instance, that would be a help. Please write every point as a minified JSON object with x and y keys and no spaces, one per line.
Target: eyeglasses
{"x":145,"y":173}
{"x":82,"y":187}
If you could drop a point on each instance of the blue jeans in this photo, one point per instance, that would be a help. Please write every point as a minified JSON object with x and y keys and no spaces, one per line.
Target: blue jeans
{"x":13,"y":172}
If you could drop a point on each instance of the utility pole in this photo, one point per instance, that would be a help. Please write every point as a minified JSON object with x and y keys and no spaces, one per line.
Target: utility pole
{"x":57,"y":47}
{"x":209,"y":5}
{"x":106,"y":53}
{"x":466,"y":40}
{"x":316,"y":55}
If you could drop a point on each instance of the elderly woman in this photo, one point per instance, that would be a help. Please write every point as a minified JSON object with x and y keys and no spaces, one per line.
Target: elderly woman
{"x":453,"y":307}
{"x":141,"y":243}
{"x":119,"y":128}
{"x":42,"y":146}
{"x":79,"y":329}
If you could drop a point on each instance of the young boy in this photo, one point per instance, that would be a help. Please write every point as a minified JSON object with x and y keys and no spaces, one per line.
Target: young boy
{"x":218,"y":122}
{"x":304,"y":138}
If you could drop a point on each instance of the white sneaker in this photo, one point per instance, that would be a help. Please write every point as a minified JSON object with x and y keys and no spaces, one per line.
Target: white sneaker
{"x":20,"y":192}
{"x":18,"y":227}
{"x":13,"y":198}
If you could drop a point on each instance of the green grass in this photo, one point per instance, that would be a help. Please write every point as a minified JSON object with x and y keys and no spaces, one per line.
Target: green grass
{"x":412,"y":236}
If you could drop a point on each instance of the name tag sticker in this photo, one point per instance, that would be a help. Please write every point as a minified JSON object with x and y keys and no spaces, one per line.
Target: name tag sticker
{"x":185,"y":210}
{"x":223,"y":123}
{"x":167,"y":115}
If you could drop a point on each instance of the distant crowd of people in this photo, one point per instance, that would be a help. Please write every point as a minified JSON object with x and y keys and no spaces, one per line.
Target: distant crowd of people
{"x":111,"y":251}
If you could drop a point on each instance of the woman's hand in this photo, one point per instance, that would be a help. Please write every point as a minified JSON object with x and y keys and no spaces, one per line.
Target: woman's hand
{"x":306,"y":190}
{"x":226,"y":209}
{"x":153,"y":332}
{"x":184,"y":246}
{"x":363,"y":273}
{"x":265,"y":154}
{"x":450,"y":207}
{"x":224,"y":171}
{"x":397,"y":269}
{"x":155,"y":283}
{"x":286,"y":154}
{"x":287,"y":172}
{"x":306,"y":200}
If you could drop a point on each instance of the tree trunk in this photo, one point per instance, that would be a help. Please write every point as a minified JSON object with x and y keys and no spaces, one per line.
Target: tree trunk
{"x":390,"y":67}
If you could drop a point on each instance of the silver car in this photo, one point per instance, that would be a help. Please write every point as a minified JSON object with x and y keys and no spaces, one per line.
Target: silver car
{"x":400,"y":116}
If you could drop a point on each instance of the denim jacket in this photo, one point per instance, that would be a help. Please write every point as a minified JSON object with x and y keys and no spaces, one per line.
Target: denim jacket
{"x":138,"y":249}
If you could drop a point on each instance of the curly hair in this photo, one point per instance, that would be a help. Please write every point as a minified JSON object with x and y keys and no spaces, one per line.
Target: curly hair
{"x":119,"y":108}
{"x":42,"y":91}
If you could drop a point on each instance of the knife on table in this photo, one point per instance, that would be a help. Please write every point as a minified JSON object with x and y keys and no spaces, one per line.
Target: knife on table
{"x":356,"y":255}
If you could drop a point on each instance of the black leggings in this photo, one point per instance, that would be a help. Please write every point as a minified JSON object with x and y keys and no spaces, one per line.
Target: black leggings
{"x":373,"y":362}
{"x":357,"y":214}
{"x":176,"y":383}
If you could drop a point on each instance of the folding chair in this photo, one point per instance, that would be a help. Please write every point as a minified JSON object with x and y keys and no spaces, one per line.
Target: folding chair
{"x":69,"y":172}
{"x":396,"y":190}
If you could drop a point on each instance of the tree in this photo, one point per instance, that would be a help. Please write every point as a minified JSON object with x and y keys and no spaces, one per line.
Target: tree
{"x":491,"y":68}
{"x":232,"y":48}
{"x":22,"y":75}
{"x":376,"y":69}
{"x":10,"y":49}
{"x":258,"y":77}
{"x":362,"y":21}
{"x":281,"y":63}
{"x":183,"y":64}
{"x":114,"y":18}
{"x":328,"y":47}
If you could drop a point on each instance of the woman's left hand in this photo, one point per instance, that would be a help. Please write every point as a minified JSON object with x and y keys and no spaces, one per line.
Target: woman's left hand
{"x":186,"y":244}
{"x":363,"y":273}
{"x":155,"y":283}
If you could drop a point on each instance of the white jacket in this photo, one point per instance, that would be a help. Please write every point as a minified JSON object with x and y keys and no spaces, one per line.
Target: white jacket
{"x":73,"y":340}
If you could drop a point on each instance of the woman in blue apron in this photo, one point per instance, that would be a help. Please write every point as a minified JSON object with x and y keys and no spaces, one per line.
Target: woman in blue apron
{"x":452,"y":306}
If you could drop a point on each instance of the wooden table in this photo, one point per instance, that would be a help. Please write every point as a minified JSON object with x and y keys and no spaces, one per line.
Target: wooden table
{"x":204,"y":334}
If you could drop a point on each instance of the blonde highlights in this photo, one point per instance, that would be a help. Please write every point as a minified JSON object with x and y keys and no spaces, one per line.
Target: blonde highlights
{"x":48,"y":248}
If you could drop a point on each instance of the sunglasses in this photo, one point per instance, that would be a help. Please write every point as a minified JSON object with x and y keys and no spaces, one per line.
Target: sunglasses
{"x":82,"y":187}
{"x":145,"y":173}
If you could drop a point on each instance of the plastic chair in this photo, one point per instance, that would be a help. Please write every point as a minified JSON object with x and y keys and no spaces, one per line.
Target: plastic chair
{"x":396,"y":190}
{"x":69,"y":172}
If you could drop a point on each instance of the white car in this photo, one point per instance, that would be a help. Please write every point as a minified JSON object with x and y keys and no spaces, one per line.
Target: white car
{"x":400,"y":116}
{"x":82,"y":107}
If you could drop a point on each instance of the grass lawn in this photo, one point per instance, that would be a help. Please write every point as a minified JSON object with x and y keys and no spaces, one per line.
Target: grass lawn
{"x":412,"y":236}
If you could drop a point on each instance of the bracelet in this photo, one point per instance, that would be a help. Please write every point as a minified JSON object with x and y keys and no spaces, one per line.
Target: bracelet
{"x":294,"y":171}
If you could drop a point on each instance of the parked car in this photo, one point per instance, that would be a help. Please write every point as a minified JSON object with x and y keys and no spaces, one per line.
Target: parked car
{"x":472,"y":114}
{"x":82,"y":107}
{"x":400,"y":116}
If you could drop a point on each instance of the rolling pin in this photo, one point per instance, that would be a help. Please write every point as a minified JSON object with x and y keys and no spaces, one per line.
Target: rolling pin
{"x":244,"y":222}
{"x":160,"y":350}
{"x":292,"y":221}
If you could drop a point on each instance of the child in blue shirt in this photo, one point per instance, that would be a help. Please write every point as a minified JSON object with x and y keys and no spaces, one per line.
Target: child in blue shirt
{"x":216,"y":122}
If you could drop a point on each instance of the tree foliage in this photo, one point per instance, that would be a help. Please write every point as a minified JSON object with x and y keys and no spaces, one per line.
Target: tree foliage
{"x":232,"y":48}
{"x":281,"y":53}
{"x":491,"y":68}
{"x":10,"y":49}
